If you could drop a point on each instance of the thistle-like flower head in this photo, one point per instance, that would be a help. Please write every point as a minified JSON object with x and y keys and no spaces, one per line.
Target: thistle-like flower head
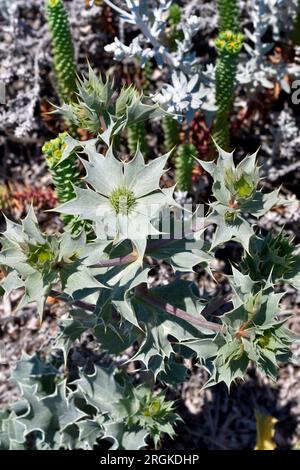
{"x":94,"y":92}
{"x":125,"y":196}
{"x":271,"y":257}
{"x":36,"y":261}
{"x":236,"y":191}
{"x":152,"y":412}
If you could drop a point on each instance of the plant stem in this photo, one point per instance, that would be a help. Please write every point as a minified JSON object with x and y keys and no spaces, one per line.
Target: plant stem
{"x":121,"y":260}
{"x":145,"y":295}
{"x":215,"y":304}
{"x":228,"y":12}
{"x":78,"y":303}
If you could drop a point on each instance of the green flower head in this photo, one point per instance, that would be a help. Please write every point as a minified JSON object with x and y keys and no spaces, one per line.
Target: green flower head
{"x":229,"y":42}
{"x":254,"y":333}
{"x":241,"y":185}
{"x":152,"y":412}
{"x":35,"y":261}
{"x":122,"y":200}
{"x":272,"y":257}
{"x":236,"y":191}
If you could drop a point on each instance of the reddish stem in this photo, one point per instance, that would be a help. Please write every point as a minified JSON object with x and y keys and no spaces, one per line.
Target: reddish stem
{"x":145,"y":295}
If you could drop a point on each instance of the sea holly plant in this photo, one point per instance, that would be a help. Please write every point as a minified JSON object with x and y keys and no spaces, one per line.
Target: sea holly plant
{"x":102,"y":112}
{"x":103,"y":281}
{"x":254,"y":333}
{"x":36,"y":261}
{"x":56,"y":413}
{"x":237,"y":195}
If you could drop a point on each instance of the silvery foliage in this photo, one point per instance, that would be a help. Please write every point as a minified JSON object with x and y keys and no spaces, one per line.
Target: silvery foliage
{"x":275,"y":16}
{"x":25,"y":51}
{"x":109,"y":275}
{"x":56,"y":414}
{"x":18,"y":41}
{"x":278,"y":14}
{"x":189,"y":91}
{"x":152,"y":20}
{"x":205,"y":11}
{"x":254,"y":69}
{"x":4,"y":4}
{"x":285,"y":143}
{"x":104,"y":282}
{"x":184,"y":97}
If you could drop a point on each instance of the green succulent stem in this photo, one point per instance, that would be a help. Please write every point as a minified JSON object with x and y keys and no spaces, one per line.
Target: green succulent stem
{"x":228,"y":45}
{"x":296,"y":28}
{"x":63,"y":49}
{"x":229,"y":15}
{"x":65,"y":176}
{"x":171,"y":130}
{"x":184,"y":164}
{"x":136,"y":135}
{"x":147,"y":73}
{"x":174,"y":33}
{"x":174,"y":14}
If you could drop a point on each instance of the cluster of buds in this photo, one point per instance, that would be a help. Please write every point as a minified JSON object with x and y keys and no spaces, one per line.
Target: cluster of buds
{"x":229,"y":42}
